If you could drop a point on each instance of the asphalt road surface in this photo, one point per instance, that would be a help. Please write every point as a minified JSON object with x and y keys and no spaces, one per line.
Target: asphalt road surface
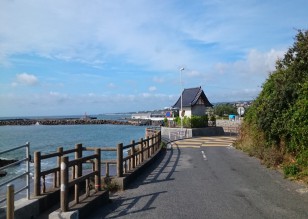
{"x":208,"y":182}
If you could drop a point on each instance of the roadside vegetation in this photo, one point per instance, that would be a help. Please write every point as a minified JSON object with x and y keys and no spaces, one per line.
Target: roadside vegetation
{"x":224,"y":110}
{"x":275,"y":128}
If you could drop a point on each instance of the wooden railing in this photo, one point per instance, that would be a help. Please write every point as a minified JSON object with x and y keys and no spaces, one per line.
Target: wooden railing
{"x":41,"y":175}
{"x":66,"y":184}
{"x":127,"y":159}
{"x":137,"y":153}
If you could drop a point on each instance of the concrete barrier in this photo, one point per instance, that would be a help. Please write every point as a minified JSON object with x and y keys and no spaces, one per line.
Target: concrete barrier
{"x":193,"y":132}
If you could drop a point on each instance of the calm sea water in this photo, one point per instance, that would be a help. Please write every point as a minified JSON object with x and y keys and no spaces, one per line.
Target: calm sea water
{"x":47,"y":139}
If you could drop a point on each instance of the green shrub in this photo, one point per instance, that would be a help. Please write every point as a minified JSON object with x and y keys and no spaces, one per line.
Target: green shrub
{"x":291,"y":170}
{"x":199,"y":121}
{"x":192,"y":122}
{"x":276,"y":125}
{"x":302,"y":159}
{"x":166,"y":123}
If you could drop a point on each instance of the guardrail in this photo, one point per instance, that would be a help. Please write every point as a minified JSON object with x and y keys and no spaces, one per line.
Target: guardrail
{"x":26,"y":173}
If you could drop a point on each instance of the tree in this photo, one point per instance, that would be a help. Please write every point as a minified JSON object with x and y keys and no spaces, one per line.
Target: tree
{"x":224,"y":109}
{"x":280,"y":112}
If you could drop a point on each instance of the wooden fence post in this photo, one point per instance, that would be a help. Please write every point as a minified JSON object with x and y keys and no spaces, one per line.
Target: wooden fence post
{"x":107,"y":169}
{"x":155,"y":144}
{"x":151,"y":145}
{"x":97,"y":177}
{"x":148,"y":146}
{"x":120,"y":160}
{"x":57,"y":175}
{"x":37,"y":173}
{"x":64,"y":184}
{"x":141,"y":150}
{"x":78,"y":154}
{"x":10,"y":202}
{"x":159,"y":139}
{"x":77,"y":171}
{"x":133,"y":155}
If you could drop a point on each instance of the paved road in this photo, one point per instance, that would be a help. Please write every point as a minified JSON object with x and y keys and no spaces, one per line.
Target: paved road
{"x":208,"y":182}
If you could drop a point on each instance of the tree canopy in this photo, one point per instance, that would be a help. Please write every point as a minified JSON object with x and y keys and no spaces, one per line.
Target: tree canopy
{"x":224,"y":109}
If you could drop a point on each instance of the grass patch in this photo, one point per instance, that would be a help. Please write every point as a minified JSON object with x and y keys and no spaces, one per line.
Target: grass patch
{"x":110,"y":185}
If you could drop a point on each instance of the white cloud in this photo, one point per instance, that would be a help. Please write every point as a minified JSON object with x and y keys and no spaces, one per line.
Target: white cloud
{"x":255,"y":63}
{"x":158,"y":79}
{"x":193,"y":73}
{"x":111,"y":85}
{"x":25,"y":79}
{"x":55,"y":94}
{"x":152,"y":88}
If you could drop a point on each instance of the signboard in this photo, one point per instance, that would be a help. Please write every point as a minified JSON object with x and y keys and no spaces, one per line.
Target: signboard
{"x":240,"y":110}
{"x":168,"y":114}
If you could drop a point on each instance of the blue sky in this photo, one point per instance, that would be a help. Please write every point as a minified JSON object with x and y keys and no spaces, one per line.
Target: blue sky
{"x":70,"y":57}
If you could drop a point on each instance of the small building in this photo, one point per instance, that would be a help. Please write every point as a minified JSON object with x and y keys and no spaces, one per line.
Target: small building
{"x":194,"y":102}
{"x":141,"y":116}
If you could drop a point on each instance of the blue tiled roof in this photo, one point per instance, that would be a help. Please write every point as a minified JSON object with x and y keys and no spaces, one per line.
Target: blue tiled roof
{"x":191,"y":96}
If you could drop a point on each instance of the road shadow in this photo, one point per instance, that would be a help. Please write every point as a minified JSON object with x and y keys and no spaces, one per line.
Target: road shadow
{"x":161,"y":170}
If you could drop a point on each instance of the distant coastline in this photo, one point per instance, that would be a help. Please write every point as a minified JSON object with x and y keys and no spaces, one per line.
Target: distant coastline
{"x":65,"y":121}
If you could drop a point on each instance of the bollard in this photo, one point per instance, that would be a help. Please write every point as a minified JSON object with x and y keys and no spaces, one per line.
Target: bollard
{"x":10,"y":202}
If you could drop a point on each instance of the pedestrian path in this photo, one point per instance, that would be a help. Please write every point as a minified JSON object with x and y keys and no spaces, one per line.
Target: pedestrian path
{"x":215,"y":141}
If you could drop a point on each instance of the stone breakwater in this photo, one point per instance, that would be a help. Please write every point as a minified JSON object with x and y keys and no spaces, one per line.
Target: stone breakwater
{"x":62,"y":122}
{"x":4,"y":162}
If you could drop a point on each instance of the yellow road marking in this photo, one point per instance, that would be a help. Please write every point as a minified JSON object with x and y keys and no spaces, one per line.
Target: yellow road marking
{"x":198,"y":142}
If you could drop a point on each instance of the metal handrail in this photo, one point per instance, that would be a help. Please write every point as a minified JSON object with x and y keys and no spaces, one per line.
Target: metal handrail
{"x":27,"y":173}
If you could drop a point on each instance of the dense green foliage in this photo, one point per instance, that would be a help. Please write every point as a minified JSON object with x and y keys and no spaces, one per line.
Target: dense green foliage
{"x":277,"y":123}
{"x":224,"y":109}
{"x":193,"y":121}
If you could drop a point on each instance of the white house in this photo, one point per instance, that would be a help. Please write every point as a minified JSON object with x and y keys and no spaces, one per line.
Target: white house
{"x":194,"y":102}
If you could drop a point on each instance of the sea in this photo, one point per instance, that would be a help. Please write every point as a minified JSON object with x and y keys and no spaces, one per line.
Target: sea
{"x":47,"y":138}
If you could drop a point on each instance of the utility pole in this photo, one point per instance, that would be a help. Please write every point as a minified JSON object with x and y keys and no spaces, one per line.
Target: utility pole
{"x":182,"y":69}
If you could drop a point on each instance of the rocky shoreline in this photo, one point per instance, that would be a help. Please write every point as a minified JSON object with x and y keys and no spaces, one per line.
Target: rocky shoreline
{"x":4,"y":162}
{"x":64,"y":122}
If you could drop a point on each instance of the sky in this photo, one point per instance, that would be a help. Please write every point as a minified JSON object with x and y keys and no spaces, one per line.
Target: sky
{"x":70,"y":57}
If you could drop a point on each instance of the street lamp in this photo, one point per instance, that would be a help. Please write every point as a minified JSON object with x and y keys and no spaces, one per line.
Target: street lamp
{"x":182,"y":69}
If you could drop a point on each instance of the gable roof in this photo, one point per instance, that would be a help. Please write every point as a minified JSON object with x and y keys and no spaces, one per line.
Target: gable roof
{"x":191,"y":97}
